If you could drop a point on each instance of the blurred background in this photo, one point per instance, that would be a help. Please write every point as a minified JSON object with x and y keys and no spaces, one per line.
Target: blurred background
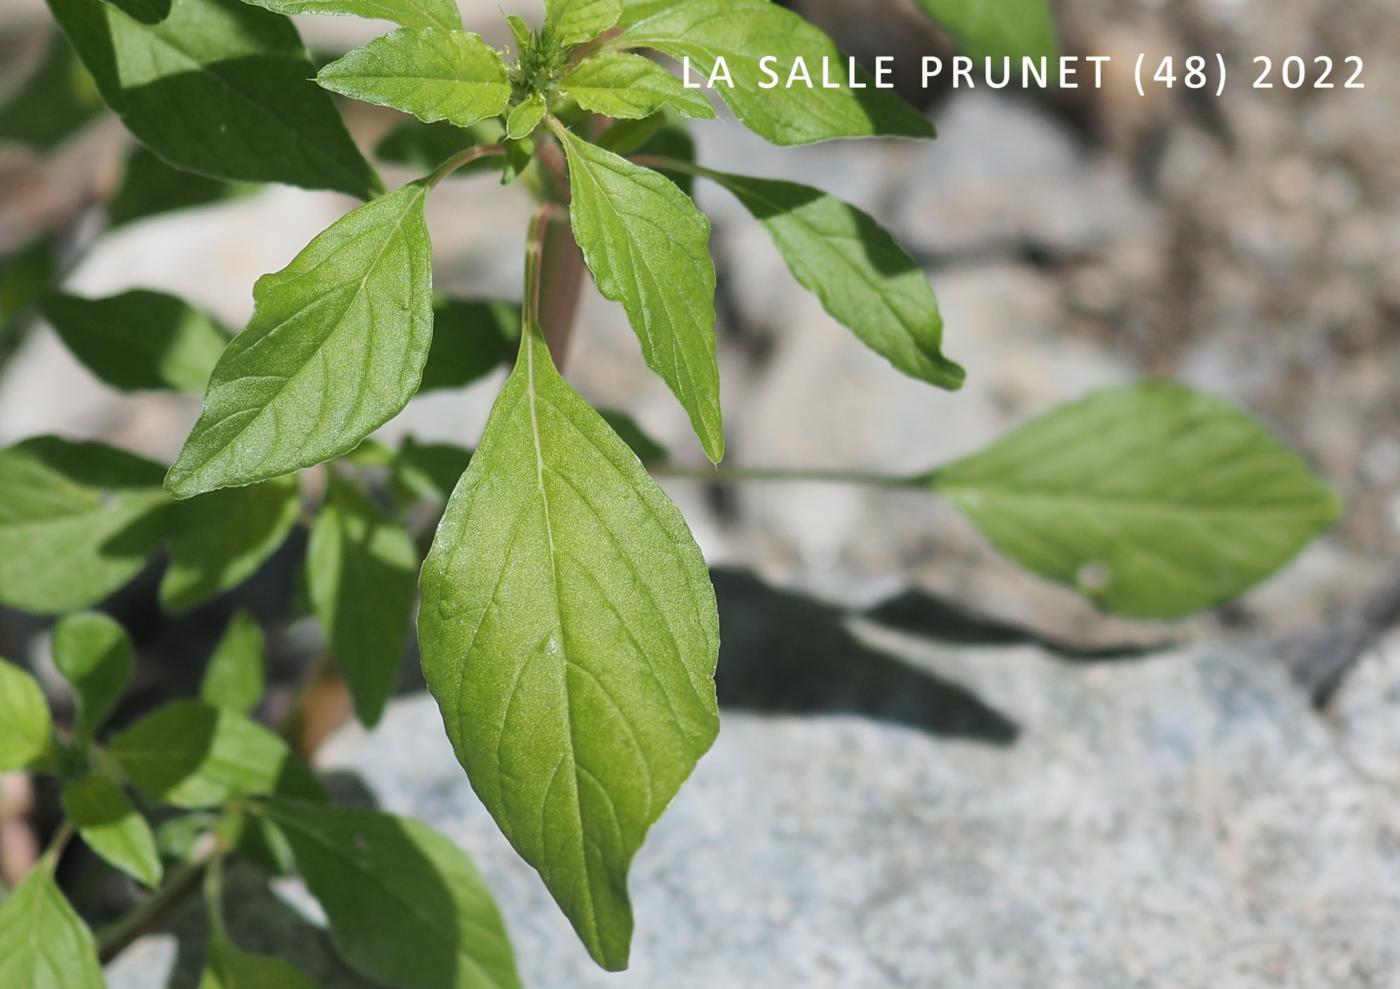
{"x":934,"y":770}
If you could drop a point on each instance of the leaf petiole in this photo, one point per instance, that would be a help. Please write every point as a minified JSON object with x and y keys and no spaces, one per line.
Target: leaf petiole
{"x":463,"y":158}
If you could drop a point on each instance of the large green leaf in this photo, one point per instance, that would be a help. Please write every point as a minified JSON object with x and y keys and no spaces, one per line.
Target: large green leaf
{"x":572,"y":21}
{"x":863,"y":278}
{"x":53,"y":103}
{"x":191,"y":754}
{"x":237,"y":672}
{"x":569,"y":635}
{"x":362,"y":570}
{"x":628,"y":86}
{"x":335,"y":349}
{"x":139,"y":340}
{"x":406,"y":906}
{"x":229,"y":968}
{"x":220,"y":539}
{"x":25,"y":721}
{"x":470,"y":340}
{"x":1004,"y":29}
{"x":408,"y":13}
{"x":96,"y":657}
{"x":112,"y":828}
{"x":44,"y":944}
{"x":77,"y":521}
{"x":1153,"y":500}
{"x":649,"y":249}
{"x":219,"y":88}
{"x":428,"y":72}
{"x":743,"y":32}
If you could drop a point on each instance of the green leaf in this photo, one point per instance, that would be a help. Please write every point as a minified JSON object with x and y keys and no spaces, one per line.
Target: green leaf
{"x":569,"y":635}
{"x":628,"y":86}
{"x":95,"y":656}
{"x":44,"y":944}
{"x":26,"y":275}
{"x":470,"y":340}
{"x":236,"y":675}
{"x":406,"y":906}
{"x":1005,"y":29}
{"x":112,"y":828}
{"x":863,"y":278}
{"x":1153,"y":500}
{"x":229,"y":968}
{"x":428,"y":72}
{"x":57,"y":100}
{"x":219,"y":88}
{"x":219,"y":540}
{"x":638,"y":10}
{"x":77,"y":521}
{"x":25,"y":721}
{"x":150,"y":188}
{"x":362,"y":571}
{"x":664,"y":135}
{"x":429,"y":470}
{"x":191,"y":755}
{"x":648,"y":451}
{"x":742,"y":32}
{"x":145,"y":11}
{"x":335,"y":349}
{"x":649,"y":249}
{"x":525,"y":118}
{"x":139,"y":340}
{"x":426,"y":146}
{"x":407,"y":13}
{"x":574,"y":21}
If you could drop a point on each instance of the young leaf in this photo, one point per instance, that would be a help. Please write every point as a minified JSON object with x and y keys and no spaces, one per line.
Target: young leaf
{"x":219,"y":540}
{"x":428,"y":72}
{"x":77,"y":521}
{"x":191,"y":755}
{"x":236,"y":674}
{"x":219,"y":88}
{"x":1154,"y":500}
{"x":1006,"y":29}
{"x":628,"y":86}
{"x":362,"y":570}
{"x":470,"y":340}
{"x":525,"y":118}
{"x":406,"y":13}
{"x":229,"y":968}
{"x":335,"y":349}
{"x":863,"y":278}
{"x":569,"y":635}
{"x":113,"y":828}
{"x":743,"y":32}
{"x":406,"y":906}
{"x":44,"y":944}
{"x":150,"y":188}
{"x":139,"y":340}
{"x":57,"y":100}
{"x":572,"y":21}
{"x":95,"y":656}
{"x":649,"y":249}
{"x":25,"y":721}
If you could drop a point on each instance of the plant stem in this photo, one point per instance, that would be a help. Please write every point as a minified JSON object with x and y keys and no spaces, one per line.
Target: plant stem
{"x":462,"y":158}
{"x":49,"y":860}
{"x":743,"y":475}
{"x":120,"y":935}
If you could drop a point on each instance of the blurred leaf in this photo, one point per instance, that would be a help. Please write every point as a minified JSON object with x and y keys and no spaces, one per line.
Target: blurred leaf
{"x":1153,"y":500}
{"x":44,"y":944}
{"x":192,"y":755}
{"x":628,"y":86}
{"x":229,"y":968}
{"x":219,"y":540}
{"x":25,"y":721}
{"x":362,"y":570}
{"x":406,"y":906}
{"x":429,"y":470}
{"x":745,"y":31}
{"x":150,"y":188}
{"x":470,"y":340}
{"x":139,"y":340}
{"x":648,"y":451}
{"x":1005,"y":29}
{"x":426,"y":146}
{"x":409,"y":13}
{"x":53,"y":103}
{"x":649,"y":249}
{"x":77,"y":521}
{"x":569,"y":635}
{"x":572,"y":21}
{"x":112,"y":828}
{"x":96,"y":657}
{"x":145,"y":11}
{"x":27,"y":274}
{"x":219,"y":88}
{"x":335,"y":349}
{"x":235,"y":677}
{"x":430,"y":73}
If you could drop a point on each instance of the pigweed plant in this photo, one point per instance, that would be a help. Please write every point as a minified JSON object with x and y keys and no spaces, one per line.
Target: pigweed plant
{"x":566,"y":621}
